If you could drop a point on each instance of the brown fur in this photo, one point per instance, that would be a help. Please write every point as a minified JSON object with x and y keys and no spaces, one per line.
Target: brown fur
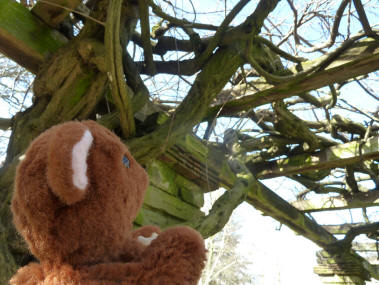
{"x":84,"y":236}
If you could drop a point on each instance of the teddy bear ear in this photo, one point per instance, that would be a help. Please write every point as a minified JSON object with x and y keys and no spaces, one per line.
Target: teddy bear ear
{"x":68,"y":150}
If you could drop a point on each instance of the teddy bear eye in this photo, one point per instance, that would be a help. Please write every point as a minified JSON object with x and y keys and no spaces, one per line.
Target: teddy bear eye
{"x":125,"y":161}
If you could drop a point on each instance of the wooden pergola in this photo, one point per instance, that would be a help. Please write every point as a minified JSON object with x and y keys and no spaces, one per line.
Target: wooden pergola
{"x":181,"y":176}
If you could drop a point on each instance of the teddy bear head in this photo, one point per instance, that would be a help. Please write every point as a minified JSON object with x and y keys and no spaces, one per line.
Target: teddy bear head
{"x":77,"y":191}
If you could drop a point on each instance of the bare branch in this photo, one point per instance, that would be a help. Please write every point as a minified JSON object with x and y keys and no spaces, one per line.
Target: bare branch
{"x":220,"y":31}
{"x":278,"y":51}
{"x":204,"y":89}
{"x":346,"y":242}
{"x":145,"y":34}
{"x":120,"y":92}
{"x":335,"y":73}
{"x":362,"y":17}
{"x":221,"y":210}
{"x":333,"y":32}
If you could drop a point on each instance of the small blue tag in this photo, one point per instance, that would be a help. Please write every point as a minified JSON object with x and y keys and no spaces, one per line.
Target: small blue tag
{"x":126,"y":161}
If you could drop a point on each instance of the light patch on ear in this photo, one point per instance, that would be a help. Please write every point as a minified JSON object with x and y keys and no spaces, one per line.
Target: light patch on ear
{"x":147,"y":241}
{"x":79,"y":160}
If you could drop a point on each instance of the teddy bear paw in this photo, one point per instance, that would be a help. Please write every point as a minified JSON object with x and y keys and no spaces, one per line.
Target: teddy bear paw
{"x":147,"y":240}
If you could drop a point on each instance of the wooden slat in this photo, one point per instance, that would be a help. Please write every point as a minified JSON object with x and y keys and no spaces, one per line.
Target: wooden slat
{"x":335,"y":156}
{"x":368,"y":199}
{"x":171,"y":205}
{"x":365,"y":247}
{"x":361,"y":58}
{"x":341,"y":229}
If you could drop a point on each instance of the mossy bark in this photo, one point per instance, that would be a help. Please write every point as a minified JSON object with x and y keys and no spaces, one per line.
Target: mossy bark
{"x":64,"y":90}
{"x":69,"y":84}
{"x":25,"y":38}
{"x":12,"y":249}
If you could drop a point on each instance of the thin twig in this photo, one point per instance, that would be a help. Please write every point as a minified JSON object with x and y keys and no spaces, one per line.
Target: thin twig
{"x":360,"y":111}
{"x":180,"y":22}
{"x":366,"y":89}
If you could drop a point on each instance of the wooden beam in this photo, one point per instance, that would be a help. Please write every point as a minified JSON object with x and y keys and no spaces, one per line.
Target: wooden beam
{"x":365,"y":246}
{"x":52,"y":11}
{"x":24,"y":38}
{"x":271,"y":204}
{"x":198,"y":160}
{"x":341,"y":229}
{"x":361,"y":58}
{"x":216,"y":168}
{"x":335,"y":156}
{"x":359,"y":200}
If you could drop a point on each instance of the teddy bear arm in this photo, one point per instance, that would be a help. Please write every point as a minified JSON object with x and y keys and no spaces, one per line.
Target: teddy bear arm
{"x":177,"y":256}
{"x":32,"y":274}
{"x":111,"y":273}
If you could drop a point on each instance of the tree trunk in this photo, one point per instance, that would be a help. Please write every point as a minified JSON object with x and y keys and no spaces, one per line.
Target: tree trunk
{"x":63,"y":90}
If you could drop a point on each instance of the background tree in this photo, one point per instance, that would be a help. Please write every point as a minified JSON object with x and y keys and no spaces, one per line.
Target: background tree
{"x":273,"y":88}
{"x":225,"y":262}
{"x":225,"y":265}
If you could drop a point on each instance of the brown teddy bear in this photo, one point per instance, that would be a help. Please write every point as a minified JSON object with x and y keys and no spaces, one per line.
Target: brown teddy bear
{"x":77,"y":192}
